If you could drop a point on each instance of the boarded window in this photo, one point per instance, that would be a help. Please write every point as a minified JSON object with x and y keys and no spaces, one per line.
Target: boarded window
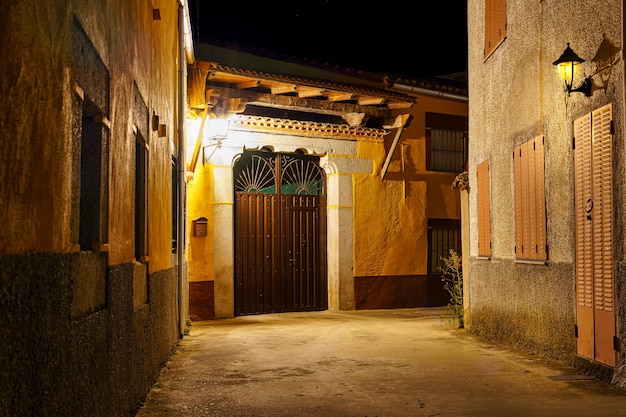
{"x":495,"y":24}
{"x":484,"y":210}
{"x":530,"y":203}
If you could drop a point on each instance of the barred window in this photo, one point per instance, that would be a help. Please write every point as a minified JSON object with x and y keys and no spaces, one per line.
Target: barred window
{"x":448,"y":150}
{"x":443,"y":236}
{"x":446,"y":143}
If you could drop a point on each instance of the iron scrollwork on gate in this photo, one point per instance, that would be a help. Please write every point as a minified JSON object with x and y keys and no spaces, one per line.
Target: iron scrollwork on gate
{"x":260,"y":171}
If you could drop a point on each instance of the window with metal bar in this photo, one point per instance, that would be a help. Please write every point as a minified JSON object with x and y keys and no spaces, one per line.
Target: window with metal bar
{"x":446,"y":142}
{"x":444,"y":235}
{"x":448,"y":150}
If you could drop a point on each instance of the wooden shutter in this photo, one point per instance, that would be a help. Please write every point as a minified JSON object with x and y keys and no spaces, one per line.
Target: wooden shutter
{"x":530,"y":203}
{"x":594,"y":235}
{"x":602,"y":224}
{"x":584,"y":254}
{"x":495,"y":24}
{"x":484,"y":210}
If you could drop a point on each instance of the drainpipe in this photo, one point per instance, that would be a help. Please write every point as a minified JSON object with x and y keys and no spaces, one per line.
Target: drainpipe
{"x":185,"y":57}
{"x":428,"y":92}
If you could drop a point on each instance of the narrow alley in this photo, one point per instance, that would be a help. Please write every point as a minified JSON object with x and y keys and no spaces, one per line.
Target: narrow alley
{"x":384,"y":363}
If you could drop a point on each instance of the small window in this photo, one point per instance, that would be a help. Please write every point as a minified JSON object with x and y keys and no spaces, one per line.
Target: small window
{"x":484,"y":209}
{"x":446,"y":143}
{"x":495,"y":24}
{"x":90,"y":188}
{"x":444,"y":235}
{"x":175,"y":198}
{"x":530,"y":202}
{"x":140,"y":118}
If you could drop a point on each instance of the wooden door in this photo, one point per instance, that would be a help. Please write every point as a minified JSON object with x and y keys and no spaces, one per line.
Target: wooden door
{"x":280,"y":234}
{"x":595,"y":306}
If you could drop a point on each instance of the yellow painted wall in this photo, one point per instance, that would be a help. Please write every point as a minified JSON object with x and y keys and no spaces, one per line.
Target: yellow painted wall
{"x":36,"y":153}
{"x":200,"y":202}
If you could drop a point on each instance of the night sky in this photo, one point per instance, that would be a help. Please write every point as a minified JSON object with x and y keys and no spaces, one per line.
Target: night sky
{"x":359,"y":37}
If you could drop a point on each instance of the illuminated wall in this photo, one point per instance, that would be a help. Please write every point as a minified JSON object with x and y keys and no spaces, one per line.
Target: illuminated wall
{"x":376,"y":228}
{"x":90,"y":309}
{"x":515,"y":96}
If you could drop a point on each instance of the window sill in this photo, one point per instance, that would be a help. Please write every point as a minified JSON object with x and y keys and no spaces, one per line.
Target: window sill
{"x":532,"y":261}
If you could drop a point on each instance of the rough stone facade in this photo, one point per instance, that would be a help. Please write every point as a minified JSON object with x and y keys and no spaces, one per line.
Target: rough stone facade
{"x":516,"y":95}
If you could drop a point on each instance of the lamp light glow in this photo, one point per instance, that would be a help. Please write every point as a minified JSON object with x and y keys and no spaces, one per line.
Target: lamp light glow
{"x":568,"y":67}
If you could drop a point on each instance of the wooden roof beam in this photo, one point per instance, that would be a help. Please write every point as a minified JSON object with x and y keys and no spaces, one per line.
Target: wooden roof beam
{"x":248,"y":84}
{"x":305,"y":92}
{"x":370,"y":101}
{"x":283,"y":88}
{"x":338,"y":96}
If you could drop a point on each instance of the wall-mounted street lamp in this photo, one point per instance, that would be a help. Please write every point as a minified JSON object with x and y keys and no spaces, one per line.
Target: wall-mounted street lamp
{"x":567,"y":66}
{"x":216,"y":132}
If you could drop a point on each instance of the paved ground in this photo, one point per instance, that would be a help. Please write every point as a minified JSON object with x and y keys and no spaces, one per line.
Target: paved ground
{"x":383,"y":363}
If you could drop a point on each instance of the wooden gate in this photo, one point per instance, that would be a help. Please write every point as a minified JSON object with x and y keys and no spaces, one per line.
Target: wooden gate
{"x":595,"y":304}
{"x":280,"y":233}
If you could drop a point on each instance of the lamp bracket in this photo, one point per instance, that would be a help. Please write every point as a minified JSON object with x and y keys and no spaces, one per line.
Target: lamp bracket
{"x":584,"y":88}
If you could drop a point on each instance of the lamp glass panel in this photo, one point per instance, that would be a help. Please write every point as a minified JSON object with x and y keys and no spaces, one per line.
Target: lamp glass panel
{"x":567,"y":71}
{"x":217,"y":128}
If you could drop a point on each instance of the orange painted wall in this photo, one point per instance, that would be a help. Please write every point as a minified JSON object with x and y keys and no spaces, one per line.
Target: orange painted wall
{"x":391,"y":215}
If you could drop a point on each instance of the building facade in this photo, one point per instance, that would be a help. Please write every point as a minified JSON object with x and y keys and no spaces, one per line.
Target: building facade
{"x":91,"y":95}
{"x":379,"y":210}
{"x":546,"y":176}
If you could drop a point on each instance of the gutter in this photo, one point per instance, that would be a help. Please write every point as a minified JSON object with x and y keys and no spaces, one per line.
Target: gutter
{"x":428,"y":92}
{"x":186,"y":57}
{"x":186,"y":32}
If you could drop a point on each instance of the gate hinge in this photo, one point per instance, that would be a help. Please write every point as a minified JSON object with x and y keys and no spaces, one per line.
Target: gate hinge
{"x":617,"y":346}
{"x":576,"y":330}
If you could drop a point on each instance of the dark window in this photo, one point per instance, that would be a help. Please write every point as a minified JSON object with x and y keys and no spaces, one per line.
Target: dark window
{"x":175,"y":193}
{"x":446,"y":143}
{"x":140,"y":119}
{"x":90,"y":144}
{"x":443,"y":235}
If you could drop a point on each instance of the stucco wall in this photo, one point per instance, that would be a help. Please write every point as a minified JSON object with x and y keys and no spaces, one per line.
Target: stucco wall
{"x":516,"y":95}
{"x":83,"y":334}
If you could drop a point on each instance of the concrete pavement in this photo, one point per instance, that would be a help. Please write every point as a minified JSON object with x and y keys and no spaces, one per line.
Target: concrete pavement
{"x":378,"y":363}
